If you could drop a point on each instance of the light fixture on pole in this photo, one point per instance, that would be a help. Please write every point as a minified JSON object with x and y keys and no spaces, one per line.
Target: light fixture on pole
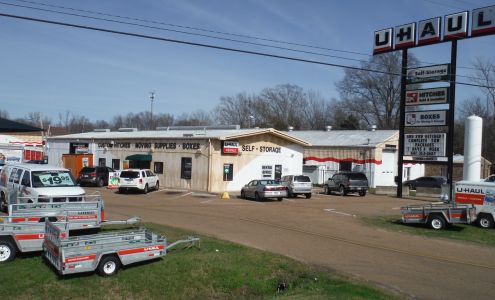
{"x":152,"y":97}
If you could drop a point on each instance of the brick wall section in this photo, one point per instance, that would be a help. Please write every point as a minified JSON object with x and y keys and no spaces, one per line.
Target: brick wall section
{"x":441,"y":170}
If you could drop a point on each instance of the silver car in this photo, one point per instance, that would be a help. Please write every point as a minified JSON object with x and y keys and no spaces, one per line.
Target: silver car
{"x":262,"y":189}
{"x":297,"y":185}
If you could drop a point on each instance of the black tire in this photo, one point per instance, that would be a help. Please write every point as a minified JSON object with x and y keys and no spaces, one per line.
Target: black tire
{"x":280,"y":198}
{"x":145,"y":191}
{"x":157,"y":186}
{"x":437,"y":222}
{"x":308,"y":196}
{"x":485,"y":221}
{"x":7,"y":251}
{"x":100,"y":182}
{"x":327,"y":190}
{"x":362,"y":193}
{"x":243,"y":196}
{"x":290,"y":194}
{"x":108,"y":266}
{"x":121,"y":191}
{"x":3,"y":203}
{"x":257,"y":197}
{"x":342,"y":191}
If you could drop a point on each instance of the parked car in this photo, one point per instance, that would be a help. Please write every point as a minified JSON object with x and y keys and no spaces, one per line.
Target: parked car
{"x":425,"y":181}
{"x":297,"y":185}
{"x":138,"y":179}
{"x":347,"y":182}
{"x":490,"y":178}
{"x":32,"y":183}
{"x":94,"y":175}
{"x":262,"y":189}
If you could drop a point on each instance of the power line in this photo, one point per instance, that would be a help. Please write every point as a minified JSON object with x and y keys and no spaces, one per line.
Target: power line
{"x":210,"y":46}
{"x":189,"y":33}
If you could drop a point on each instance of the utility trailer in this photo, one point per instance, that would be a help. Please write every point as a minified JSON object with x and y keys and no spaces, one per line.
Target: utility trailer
{"x":103,"y":252}
{"x":24,"y":229}
{"x":437,"y":216}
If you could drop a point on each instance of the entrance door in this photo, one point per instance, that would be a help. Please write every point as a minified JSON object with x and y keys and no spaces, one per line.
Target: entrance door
{"x":278,"y":172}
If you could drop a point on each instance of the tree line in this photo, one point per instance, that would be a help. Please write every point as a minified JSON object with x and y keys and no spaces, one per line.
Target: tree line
{"x":366,"y":99}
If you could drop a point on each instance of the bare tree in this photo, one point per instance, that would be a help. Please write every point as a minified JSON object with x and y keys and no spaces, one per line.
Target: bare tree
{"x":236,"y":110}
{"x":375,"y":97}
{"x":485,"y":76}
{"x":196,"y":118}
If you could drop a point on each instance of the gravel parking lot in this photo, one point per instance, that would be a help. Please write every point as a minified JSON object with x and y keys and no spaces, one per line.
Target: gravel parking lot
{"x":327,"y":231}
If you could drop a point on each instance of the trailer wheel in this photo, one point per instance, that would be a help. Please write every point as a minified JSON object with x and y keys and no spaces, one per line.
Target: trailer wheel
{"x":437,"y":222}
{"x":108,"y":266}
{"x":7,"y":251}
{"x":485,"y":221}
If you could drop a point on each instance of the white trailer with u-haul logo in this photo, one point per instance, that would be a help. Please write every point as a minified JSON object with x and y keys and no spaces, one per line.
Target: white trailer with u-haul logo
{"x":23,"y":230}
{"x":103,"y":252}
{"x":481,"y":195}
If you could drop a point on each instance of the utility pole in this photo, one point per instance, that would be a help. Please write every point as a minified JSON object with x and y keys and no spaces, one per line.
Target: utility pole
{"x":152,"y":97}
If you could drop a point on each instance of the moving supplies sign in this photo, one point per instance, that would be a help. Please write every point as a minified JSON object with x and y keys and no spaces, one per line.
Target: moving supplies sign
{"x":427,"y":96}
{"x":426,"y":118}
{"x":427,"y":145}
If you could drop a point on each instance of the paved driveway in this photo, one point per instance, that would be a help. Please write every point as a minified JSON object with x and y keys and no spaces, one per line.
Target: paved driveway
{"x":326,"y":231}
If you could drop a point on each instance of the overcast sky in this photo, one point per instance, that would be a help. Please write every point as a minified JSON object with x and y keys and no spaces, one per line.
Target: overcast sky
{"x":54,"y":69}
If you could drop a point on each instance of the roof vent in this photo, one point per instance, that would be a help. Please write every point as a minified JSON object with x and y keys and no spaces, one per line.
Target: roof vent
{"x":372,"y":128}
{"x":101,"y":130}
{"x":127,"y":129}
{"x":328,"y":128}
{"x":290,"y":128}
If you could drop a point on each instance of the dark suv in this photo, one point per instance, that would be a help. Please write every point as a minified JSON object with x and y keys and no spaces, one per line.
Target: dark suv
{"x":347,"y":182}
{"x":94,"y":176}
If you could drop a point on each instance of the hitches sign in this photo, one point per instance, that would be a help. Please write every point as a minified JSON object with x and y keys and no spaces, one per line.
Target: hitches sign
{"x":427,"y":96}
{"x":425,"y":145}
{"x":426,"y":118}
{"x":429,"y":31}
{"x":230,"y":147}
{"x":428,"y":74}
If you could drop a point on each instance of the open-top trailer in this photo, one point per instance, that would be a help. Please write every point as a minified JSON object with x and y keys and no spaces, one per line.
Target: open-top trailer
{"x":103,"y":252}
{"x":23,"y":230}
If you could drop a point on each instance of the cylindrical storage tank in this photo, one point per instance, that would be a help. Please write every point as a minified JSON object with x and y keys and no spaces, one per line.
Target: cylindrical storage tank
{"x":472,"y":148}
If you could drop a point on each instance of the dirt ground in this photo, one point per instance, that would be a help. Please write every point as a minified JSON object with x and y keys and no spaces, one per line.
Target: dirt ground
{"x":327,"y":231}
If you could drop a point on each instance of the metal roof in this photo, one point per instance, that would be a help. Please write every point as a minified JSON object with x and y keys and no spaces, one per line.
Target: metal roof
{"x":219,"y":134}
{"x":346,"y":138}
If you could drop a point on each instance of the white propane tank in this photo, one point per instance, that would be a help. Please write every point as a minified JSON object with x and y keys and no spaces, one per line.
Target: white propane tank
{"x":472,"y":148}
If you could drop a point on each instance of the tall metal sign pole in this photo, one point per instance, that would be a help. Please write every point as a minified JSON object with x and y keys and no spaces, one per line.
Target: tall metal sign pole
{"x":425,"y":144}
{"x":400,"y":161}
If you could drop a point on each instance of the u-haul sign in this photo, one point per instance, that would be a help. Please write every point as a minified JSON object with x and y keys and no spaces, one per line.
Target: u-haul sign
{"x":425,"y":145}
{"x":428,"y":31}
{"x":427,"y":96}
{"x":426,"y":118}
{"x":230,"y":147}
{"x":482,"y":193}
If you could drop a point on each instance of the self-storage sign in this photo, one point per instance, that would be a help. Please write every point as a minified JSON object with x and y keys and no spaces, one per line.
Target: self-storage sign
{"x":426,"y":118}
{"x":428,"y":145}
{"x":427,"y":96}
{"x":428,"y":74}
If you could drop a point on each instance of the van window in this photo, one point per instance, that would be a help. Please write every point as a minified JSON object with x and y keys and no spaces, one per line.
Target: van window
{"x":302,"y":179}
{"x":26,"y":179}
{"x":17,"y":176}
{"x":52,"y":179}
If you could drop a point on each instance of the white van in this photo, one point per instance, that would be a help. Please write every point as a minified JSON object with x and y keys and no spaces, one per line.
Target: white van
{"x":31,"y":183}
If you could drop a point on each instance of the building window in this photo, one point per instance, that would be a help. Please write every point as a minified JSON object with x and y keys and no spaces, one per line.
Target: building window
{"x":345,"y":166}
{"x":102,"y":162}
{"x":186,"y":167}
{"x":158,"y":167}
{"x":116,"y":164}
{"x":228,"y":172}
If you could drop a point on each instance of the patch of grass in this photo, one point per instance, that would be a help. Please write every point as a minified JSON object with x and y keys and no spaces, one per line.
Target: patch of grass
{"x":219,"y":270}
{"x":461,"y":232}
